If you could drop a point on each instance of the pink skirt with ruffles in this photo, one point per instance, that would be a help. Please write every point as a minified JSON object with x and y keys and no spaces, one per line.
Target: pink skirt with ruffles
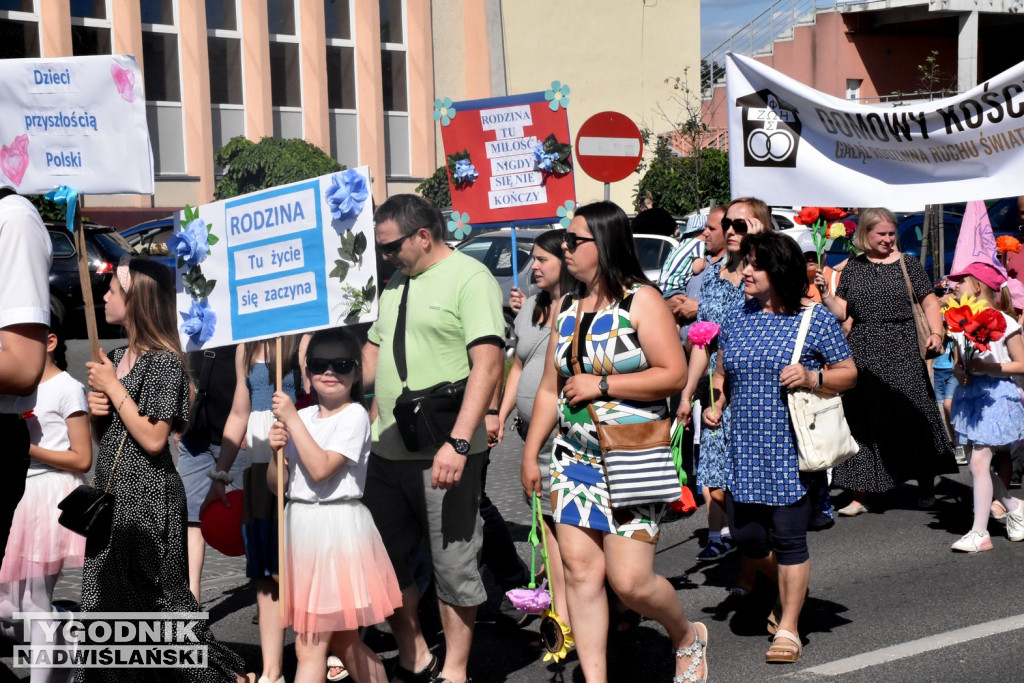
{"x":338,"y":574}
{"x":38,"y":544}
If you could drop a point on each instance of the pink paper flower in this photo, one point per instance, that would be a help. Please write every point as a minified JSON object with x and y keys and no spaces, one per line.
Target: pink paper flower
{"x":701,"y":334}
{"x":530,"y":600}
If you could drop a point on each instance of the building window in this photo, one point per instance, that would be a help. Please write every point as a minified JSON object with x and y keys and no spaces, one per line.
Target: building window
{"x":393,"y":55}
{"x":19,"y":29}
{"x":160,"y":51}
{"x":338,"y":19}
{"x":90,"y":27}
{"x":285,"y":76}
{"x":224,"y":44}
{"x":341,"y":71}
{"x":853,"y":88}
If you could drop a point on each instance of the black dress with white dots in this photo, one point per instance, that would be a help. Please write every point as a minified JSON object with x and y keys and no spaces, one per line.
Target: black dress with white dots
{"x":143,"y":566}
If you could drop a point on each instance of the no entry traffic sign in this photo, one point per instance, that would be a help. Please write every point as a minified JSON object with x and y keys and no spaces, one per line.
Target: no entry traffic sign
{"x":609,"y":146}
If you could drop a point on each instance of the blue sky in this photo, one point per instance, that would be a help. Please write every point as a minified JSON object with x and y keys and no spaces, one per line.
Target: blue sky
{"x":719,"y":19}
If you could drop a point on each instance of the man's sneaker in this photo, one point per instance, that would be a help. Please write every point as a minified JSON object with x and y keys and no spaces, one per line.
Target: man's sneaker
{"x":961,"y":456}
{"x":973,"y":542}
{"x":1015,"y":523}
{"x":716,"y":549}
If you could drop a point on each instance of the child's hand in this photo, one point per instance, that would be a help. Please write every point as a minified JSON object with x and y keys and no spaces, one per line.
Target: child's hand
{"x":99,"y":404}
{"x":102,"y":376}
{"x":284,"y":407}
{"x":278,"y":434}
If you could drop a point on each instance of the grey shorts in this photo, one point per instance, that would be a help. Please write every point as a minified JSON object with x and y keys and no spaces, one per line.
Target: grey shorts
{"x":406,"y":510}
{"x":193,"y":468}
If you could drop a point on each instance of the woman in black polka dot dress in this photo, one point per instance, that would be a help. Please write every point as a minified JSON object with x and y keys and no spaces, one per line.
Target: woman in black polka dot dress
{"x":892,"y":411}
{"x":140,"y":393}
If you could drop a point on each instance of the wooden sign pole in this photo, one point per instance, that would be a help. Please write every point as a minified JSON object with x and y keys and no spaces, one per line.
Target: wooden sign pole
{"x":85,"y":281}
{"x":280,"y":497}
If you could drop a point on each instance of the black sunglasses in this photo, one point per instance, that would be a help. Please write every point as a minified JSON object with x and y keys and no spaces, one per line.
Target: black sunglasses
{"x":572,"y":240}
{"x":341,"y":366}
{"x":393,"y":247}
{"x":738,"y":225}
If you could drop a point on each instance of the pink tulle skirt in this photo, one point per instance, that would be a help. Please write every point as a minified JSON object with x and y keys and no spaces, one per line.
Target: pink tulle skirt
{"x":338,"y":574}
{"x":38,"y":545}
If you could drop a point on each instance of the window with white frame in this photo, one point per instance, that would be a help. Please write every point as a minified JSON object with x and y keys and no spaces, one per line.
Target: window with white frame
{"x":285,"y":79}
{"x":393,"y":55}
{"x":19,"y":29}
{"x":90,"y":27}
{"x":160,"y":51}
{"x":224,"y":42}
{"x":853,"y":88}
{"x":341,"y":71}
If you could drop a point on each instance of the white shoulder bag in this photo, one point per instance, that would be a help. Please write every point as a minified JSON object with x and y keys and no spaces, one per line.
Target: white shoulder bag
{"x":823,"y":438}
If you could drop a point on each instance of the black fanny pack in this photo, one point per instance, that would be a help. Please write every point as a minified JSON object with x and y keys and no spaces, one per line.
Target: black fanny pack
{"x":425,"y":418}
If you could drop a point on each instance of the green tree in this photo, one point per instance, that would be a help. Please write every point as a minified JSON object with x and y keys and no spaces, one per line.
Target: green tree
{"x":252,"y":166}
{"x":49,"y":211}
{"x":710,"y":73}
{"x":436,"y":189}
{"x":669,"y":177}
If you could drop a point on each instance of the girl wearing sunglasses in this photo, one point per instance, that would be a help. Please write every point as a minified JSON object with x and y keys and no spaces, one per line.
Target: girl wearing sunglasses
{"x":337,"y":573}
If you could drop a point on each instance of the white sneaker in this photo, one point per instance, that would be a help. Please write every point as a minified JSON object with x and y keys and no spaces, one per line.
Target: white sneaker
{"x":1015,"y":523}
{"x":973,"y":542}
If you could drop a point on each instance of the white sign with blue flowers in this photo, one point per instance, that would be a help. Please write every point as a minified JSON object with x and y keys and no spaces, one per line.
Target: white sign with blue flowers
{"x":289,"y":259}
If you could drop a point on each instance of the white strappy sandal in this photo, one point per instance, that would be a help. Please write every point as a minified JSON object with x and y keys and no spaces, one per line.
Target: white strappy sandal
{"x":698,"y":650}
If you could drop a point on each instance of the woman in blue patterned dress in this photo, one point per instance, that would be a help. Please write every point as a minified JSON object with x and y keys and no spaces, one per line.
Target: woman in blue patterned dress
{"x":631,"y":362}
{"x":721,"y":293}
{"x":768,"y":499}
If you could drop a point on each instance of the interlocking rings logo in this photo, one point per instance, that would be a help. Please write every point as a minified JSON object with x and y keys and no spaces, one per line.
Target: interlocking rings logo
{"x":776,"y":145}
{"x":771,"y":130}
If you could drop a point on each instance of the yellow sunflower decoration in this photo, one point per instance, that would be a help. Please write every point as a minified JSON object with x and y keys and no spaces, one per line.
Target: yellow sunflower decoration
{"x":556,"y":636}
{"x":965,"y":301}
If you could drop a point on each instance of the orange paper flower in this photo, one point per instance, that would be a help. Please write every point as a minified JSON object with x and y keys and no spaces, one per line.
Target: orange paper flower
{"x":1007,"y":245}
{"x":807,"y":216}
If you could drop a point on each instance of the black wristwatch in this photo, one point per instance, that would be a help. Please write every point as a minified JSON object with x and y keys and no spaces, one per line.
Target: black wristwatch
{"x":603,"y":386}
{"x":461,"y":446}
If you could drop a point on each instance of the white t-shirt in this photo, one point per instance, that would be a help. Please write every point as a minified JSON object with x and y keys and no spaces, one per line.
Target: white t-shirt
{"x":56,"y":399}
{"x":997,"y":351}
{"x":25,"y":256}
{"x":348,"y":433}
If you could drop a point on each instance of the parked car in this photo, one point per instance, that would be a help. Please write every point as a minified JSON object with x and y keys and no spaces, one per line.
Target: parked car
{"x":150,"y":239}
{"x":104,"y":248}
{"x":494,"y":250}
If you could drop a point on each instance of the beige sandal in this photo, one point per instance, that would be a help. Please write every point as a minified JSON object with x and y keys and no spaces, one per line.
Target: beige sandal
{"x":785,"y":649}
{"x":698,"y":652}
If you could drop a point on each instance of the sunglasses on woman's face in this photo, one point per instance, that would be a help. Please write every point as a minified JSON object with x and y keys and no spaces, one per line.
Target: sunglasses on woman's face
{"x":341,"y":366}
{"x":572,"y":240}
{"x":738,"y":225}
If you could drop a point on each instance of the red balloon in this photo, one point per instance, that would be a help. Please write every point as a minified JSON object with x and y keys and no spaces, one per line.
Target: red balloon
{"x":222,"y":525}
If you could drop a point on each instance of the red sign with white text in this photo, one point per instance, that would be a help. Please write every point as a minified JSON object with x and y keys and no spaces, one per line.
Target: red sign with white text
{"x":609,"y":146}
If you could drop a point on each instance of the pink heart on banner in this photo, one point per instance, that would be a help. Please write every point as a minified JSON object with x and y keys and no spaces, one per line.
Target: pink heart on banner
{"x":124,"y":79}
{"x":14,"y":159}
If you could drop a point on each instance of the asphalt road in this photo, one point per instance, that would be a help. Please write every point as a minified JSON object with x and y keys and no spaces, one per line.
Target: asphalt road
{"x":888,"y":599}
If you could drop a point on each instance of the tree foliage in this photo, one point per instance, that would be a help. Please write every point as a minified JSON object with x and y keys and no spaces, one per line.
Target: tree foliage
{"x":252,"y":166}
{"x":435,"y":188}
{"x":710,"y":73}
{"x":669,"y":179}
{"x":48,"y":211}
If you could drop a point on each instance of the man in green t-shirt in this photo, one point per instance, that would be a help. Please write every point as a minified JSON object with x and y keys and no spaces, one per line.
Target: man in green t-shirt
{"x":453,"y":330}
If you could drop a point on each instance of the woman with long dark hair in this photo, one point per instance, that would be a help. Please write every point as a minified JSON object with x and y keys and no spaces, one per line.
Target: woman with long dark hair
{"x":769,"y":501}
{"x":631,"y":362}
{"x":140,"y":394}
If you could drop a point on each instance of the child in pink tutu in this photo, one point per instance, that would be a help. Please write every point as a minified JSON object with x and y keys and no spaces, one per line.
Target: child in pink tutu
{"x":337,"y":573}
{"x":38,"y":547}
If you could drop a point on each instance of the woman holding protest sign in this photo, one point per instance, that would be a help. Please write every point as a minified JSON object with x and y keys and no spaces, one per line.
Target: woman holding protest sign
{"x":892,"y":411}
{"x":140,"y":393}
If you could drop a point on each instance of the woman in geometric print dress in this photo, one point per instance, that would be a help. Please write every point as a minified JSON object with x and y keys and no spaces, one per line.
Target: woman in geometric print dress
{"x":140,"y":393}
{"x":892,"y":410}
{"x":631,"y":362}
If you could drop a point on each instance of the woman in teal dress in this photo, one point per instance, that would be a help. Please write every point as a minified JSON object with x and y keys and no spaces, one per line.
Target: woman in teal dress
{"x":631,"y":363}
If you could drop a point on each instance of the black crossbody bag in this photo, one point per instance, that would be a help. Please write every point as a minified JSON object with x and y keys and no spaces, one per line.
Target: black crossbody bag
{"x":424,"y":417}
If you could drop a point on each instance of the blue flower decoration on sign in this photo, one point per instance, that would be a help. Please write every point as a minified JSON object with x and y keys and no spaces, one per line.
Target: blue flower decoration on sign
{"x":465,"y":172}
{"x":199,"y":322}
{"x":444,"y":111}
{"x":557,"y":95}
{"x":346,"y":195}
{"x":541,"y":159}
{"x":565,"y":213}
{"x":459,"y":224}
{"x":191,"y":245}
